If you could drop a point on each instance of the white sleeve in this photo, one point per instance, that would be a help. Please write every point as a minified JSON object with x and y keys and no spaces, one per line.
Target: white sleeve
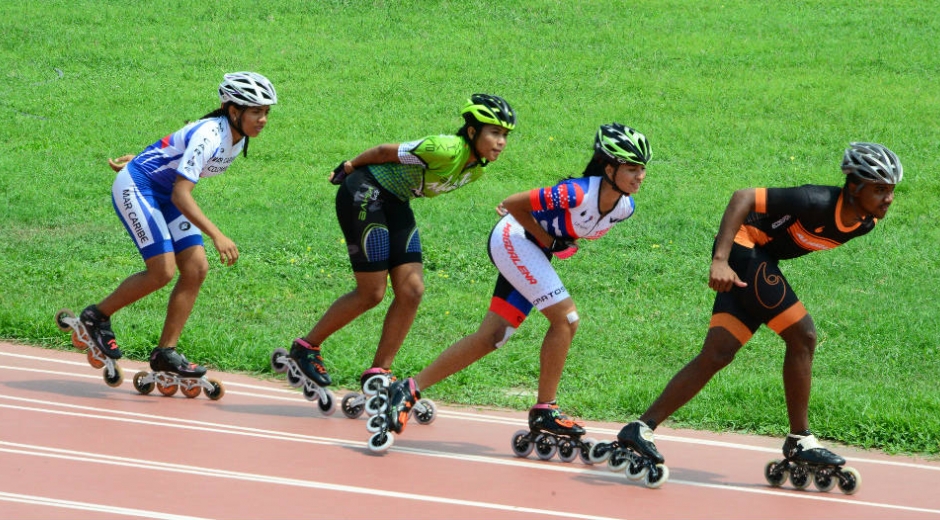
{"x":203,"y":144}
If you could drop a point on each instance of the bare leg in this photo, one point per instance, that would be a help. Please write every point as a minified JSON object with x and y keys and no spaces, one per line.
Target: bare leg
{"x":555,"y":347}
{"x":718,"y":351}
{"x":159,"y":272}
{"x":408,"y":286}
{"x":193,"y":267}
{"x":465,"y":352}
{"x":369,"y":291}
{"x":798,"y":370}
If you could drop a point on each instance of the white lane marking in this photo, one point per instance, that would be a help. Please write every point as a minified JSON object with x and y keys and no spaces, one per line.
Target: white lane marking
{"x":475,"y":417}
{"x":85,"y":506}
{"x":100,"y":458}
{"x":286,"y":436}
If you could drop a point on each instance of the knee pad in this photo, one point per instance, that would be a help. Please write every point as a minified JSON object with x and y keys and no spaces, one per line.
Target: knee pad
{"x":509,"y":332}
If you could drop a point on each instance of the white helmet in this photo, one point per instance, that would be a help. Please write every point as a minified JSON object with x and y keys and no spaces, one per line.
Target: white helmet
{"x":872,"y":162}
{"x":247,"y":89}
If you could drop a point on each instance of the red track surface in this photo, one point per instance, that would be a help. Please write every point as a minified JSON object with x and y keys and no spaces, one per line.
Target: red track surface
{"x":71,"y":447}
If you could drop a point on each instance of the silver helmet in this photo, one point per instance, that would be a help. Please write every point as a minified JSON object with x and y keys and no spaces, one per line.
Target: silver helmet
{"x":247,"y":89}
{"x":872,"y":162}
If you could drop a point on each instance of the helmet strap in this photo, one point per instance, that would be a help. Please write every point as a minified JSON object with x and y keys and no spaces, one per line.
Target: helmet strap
{"x":473,"y":143}
{"x":613,"y":182}
{"x":236,"y":123}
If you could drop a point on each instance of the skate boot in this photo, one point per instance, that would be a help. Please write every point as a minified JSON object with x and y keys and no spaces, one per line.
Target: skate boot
{"x":91,"y":332}
{"x":551,"y":431}
{"x":635,"y":452}
{"x":172,"y":372}
{"x":804,"y":457}
{"x":396,"y":403}
{"x":371,"y":381}
{"x":304,"y":368}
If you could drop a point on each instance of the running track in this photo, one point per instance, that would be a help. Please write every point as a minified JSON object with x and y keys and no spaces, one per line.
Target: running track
{"x":73,"y":448}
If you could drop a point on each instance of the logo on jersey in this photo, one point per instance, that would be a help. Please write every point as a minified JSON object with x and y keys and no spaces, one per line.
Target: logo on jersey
{"x":184,"y":226}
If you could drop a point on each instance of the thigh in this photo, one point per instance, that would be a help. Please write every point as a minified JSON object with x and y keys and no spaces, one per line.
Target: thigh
{"x":525,"y":265}
{"x":768,"y":297}
{"x":361,"y":216}
{"x":183,"y":232}
{"x":139,"y":209}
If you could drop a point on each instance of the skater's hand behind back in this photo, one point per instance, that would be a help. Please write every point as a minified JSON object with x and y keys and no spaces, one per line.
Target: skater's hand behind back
{"x":119,"y":163}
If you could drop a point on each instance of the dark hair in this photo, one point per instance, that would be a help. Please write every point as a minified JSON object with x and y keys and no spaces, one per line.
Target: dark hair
{"x":596,"y":166}
{"x":222,"y":111}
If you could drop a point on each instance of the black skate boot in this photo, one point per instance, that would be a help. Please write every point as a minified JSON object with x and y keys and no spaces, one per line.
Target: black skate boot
{"x":805,"y":448}
{"x":548,"y":418}
{"x":402,"y":397}
{"x":310,"y":361}
{"x":98,"y":327}
{"x":639,"y":437}
{"x":169,"y":360}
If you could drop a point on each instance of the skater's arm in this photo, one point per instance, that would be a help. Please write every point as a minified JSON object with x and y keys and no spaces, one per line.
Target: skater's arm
{"x":519,"y":206}
{"x":184,"y":201}
{"x":383,"y":153}
{"x":721,"y":277}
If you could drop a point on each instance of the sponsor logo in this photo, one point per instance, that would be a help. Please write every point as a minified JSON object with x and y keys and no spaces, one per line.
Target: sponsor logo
{"x":185,"y":226}
{"x":136,"y":226}
{"x":783,"y":220}
{"x":550,"y":295}
{"x":514,"y":257}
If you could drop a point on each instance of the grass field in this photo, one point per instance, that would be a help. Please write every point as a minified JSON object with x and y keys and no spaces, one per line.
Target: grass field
{"x":732,"y":94}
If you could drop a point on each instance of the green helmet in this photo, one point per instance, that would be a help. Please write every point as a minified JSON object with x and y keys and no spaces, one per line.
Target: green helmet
{"x":622,"y":144}
{"x":489,"y":110}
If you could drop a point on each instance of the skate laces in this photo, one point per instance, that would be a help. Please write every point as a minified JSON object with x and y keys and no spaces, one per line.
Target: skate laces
{"x":317,"y":357}
{"x":560,"y":418}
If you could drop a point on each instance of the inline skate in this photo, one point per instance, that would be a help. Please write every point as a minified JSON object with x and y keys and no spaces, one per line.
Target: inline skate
{"x":373,"y":379}
{"x":550,"y":432}
{"x":92,"y":333}
{"x":804,"y":457}
{"x":635,"y":452}
{"x":172,"y":372}
{"x":303,"y":366}
{"x":395,"y":402}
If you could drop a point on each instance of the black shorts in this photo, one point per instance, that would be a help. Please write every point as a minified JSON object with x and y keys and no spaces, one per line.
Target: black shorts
{"x":767,"y":299}
{"x":379,"y":227}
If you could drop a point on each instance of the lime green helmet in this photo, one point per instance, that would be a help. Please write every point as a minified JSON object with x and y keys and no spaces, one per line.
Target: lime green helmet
{"x":622,"y":144}
{"x":485,"y":109}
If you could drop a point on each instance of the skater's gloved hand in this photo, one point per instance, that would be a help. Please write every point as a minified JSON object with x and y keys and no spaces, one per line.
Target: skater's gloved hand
{"x":340,"y":172}
{"x":119,"y":163}
{"x":563,"y":248}
{"x":228,"y":251}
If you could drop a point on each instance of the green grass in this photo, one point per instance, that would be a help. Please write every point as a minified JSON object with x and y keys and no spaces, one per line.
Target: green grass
{"x":731,"y":94}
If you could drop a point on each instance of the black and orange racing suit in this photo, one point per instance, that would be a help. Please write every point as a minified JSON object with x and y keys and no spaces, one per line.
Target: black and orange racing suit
{"x":786,"y":223}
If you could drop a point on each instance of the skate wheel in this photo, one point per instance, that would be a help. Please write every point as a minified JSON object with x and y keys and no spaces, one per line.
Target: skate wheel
{"x":375,"y":383}
{"x":376,"y":423}
{"x":92,"y":360}
{"x":636,"y":470}
{"x":353,"y":405}
{"x":521,"y":444}
{"x":167,"y":390}
{"x":191,"y":391}
{"x":115,"y":379}
{"x":618,"y":460}
{"x":545,"y":446}
{"x":143,"y":388}
{"x":277,"y":360}
{"x":381,"y":442}
{"x":824,"y":480}
{"x":585,"y":450}
{"x":60,"y":318}
{"x":600,"y":452}
{"x":567,"y":450}
{"x":424,"y":411}
{"x":377,"y":404}
{"x":657,"y":476}
{"x":218,"y":390}
{"x":78,"y":343}
{"x":327,"y":403}
{"x":775,"y":473}
{"x":799,"y":476}
{"x":294,"y":380}
{"x":850,"y":480}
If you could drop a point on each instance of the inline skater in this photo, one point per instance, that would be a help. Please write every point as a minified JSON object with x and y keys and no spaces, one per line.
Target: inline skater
{"x":382,"y":240}
{"x":759,"y":228}
{"x":537,"y":225}
{"x":153,"y":196}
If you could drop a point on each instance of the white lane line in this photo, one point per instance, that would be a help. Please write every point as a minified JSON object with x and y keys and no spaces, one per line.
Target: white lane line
{"x":523,"y":463}
{"x":492,"y":419}
{"x":100,"y":458}
{"x":85,"y":506}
